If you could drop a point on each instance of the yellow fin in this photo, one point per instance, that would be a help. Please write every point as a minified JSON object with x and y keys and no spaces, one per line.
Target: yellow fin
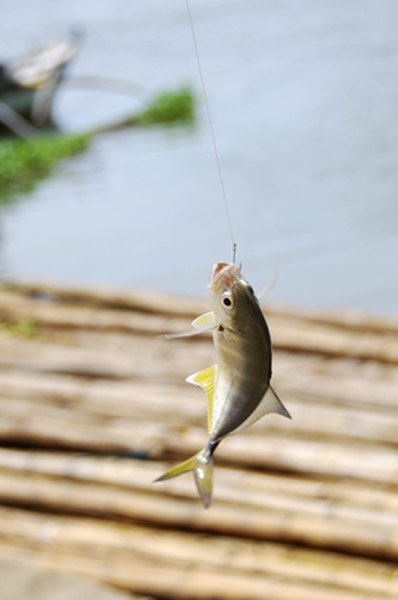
{"x":202,"y":466}
{"x":183,"y":467}
{"x":206,"y":321}
{"x":201,"y":324}
{"x":206,"y":380}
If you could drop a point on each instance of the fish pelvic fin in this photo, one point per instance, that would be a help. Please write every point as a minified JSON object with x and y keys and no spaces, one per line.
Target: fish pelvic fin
{"x":206,"y":380}
{"x":202,"y":466}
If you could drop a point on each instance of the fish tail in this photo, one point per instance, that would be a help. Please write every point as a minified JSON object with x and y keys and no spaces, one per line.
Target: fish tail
{"x":202,"y":466}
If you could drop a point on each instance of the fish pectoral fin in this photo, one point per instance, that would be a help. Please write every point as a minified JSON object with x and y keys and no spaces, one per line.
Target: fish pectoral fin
{"x":205,"y":322}
{"x":206,"y":379}
{"x":270,"y":403}
{"x":202,"y":324}
{"x":183,"y":334}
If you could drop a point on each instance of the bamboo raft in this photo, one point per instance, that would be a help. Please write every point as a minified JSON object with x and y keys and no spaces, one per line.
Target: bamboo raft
{"x":94,"y":406}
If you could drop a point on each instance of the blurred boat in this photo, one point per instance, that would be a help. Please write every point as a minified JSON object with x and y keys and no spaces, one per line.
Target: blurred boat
{"x":28,"y":83}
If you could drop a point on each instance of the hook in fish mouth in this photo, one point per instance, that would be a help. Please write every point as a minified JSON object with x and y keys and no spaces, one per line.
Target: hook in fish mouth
{"x":224,"y":268}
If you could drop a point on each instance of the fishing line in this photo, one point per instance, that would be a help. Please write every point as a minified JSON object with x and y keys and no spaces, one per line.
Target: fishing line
{"x":213,"y":137}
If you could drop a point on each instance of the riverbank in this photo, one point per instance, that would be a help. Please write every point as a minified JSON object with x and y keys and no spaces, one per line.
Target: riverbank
{"x":94,"y":407}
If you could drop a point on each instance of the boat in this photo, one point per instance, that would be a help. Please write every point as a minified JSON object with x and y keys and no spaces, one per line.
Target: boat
{"x":28,"y":83}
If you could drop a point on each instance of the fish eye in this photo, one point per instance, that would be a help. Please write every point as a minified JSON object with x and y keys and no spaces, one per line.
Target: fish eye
{"x":249,"y":287}
{"x":227,"y":299}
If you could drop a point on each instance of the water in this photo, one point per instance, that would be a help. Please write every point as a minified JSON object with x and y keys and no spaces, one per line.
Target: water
{"x":304,"y":99}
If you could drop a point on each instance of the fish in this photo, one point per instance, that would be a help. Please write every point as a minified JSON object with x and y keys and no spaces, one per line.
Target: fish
{"x":237,"y":386}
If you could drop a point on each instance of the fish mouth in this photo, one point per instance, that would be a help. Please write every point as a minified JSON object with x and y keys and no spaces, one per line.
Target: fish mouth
{"x":224,"y":269}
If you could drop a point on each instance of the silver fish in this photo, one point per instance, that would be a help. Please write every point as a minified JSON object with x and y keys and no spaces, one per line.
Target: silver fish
{"x":238,"y":386}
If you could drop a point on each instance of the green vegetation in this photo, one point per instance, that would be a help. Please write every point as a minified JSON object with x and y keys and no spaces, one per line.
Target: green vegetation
{"x":168,"y":108}
{"x":23,"y":162}
{"x":24,"y":328}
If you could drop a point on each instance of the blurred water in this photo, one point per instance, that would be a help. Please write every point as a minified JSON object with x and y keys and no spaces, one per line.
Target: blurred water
{"x":304,"y":99}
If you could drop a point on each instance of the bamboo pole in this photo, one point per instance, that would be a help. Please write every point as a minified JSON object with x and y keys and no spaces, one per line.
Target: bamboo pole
{"x":312,"y":385}
{"x":317,"y":339}
{"x":276,"y":451}
{"x":187,"y":307}
{"x":293,"y":335}
{"x":147,"y":302}
{"x":237,"y":485}
{"x":198,"y":583}
{"x":101,"y":356}
{"x":54,"y":314}
{"x":296,"y":568}
{"x":361,"y":452}
{"x":354,"y":320}
{"x":33,"y":355}
{"x":157,"y":366}
{"x":96,"y":378}
{"x":311,"y":521}
{"x":346,"y":444}
{"x":144,"y":402}
{"x":23,"y":578}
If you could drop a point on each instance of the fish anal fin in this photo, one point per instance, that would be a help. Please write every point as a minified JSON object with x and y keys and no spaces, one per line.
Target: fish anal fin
{"x":206,"y":380}
{"x":275,"y":404}
{"x":270,"y":403}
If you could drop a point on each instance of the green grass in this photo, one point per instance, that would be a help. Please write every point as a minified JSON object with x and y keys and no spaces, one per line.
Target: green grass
{"x":168,"y":108}
{"x":23,"y":162}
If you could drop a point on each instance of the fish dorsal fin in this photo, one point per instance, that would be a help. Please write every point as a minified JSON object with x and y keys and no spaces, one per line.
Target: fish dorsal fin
{"x":270,"y":403}
{"x":206,"y":380}
{"x":201,"y":324}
